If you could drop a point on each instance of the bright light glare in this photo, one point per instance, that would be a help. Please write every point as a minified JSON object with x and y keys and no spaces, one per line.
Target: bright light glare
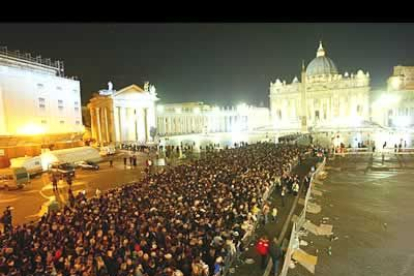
{"x":387,"y":99}
{"x":242,"y":107}
{"x":178,"y":110}
{"x":160,"y":108}
{"x":196,"y":110}
{"x":216,"y":109}
{"x":46,"y":159}
{"x":31,"y":129}
{"x":396,"y":82}
{"x":402,"y":121}
{"x":356,"y":121}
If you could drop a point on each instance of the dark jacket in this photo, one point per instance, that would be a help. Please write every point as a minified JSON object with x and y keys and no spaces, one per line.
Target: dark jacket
{"x":275,"y":251}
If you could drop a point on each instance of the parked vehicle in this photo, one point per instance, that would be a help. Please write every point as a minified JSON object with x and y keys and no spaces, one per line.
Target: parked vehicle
{"x":14,"y":178}
{"x":71,"y":156}
{"x":64,"y":170}
{"x":87,"y":165}
{"x":105,"y":151}
{"x":33,"y":165}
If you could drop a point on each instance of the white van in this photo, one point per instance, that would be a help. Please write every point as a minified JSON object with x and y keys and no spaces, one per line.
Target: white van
{"x":33,"y":165}
{"x":14,"y":178}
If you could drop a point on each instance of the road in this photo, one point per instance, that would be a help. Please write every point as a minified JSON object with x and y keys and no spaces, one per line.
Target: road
{"x":369,"y":201}
{"x":31,"y":202}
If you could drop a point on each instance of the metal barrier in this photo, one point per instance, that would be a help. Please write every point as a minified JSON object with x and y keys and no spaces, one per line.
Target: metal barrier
{"x":293,"y":241}
{"x":289,"y":251}
{"x":302,"y":217}
{"x":230,"y":258}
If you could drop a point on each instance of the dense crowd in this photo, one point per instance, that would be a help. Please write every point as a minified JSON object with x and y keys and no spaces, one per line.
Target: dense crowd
{"x":184,"y":221}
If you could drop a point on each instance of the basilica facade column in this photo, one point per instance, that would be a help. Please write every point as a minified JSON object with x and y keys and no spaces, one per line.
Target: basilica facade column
{"x":94,"y":125}
{"x":98,"y":120}
{"x":106,"y":121}
{"x":115,"y":121}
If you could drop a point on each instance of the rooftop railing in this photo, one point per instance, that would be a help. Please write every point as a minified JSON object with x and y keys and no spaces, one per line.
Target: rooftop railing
{"x":56,"y":65}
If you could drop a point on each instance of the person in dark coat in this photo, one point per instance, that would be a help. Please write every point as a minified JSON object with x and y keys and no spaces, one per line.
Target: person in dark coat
{"x":7,"y":220}
{"x":275,"y":253}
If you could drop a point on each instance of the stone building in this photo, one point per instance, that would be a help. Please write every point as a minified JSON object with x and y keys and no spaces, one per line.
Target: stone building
{"x":123,"y":116}
{"x":40,"y":107}
{"x":395,"y":107}
{"x":321,"y":99}
{"x":200,"y":118}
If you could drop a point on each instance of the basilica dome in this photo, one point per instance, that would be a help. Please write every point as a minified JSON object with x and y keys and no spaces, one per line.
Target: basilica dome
{"x":321,"y":65}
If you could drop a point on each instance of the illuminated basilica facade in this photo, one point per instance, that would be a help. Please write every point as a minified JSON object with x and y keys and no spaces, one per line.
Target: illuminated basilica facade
{"x":322,"y":98}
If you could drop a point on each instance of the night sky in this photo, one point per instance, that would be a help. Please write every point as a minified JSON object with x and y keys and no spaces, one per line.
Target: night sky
{"x":216,"y":63}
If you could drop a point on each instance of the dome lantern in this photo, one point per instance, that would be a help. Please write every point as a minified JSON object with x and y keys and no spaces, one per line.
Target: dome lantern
{"x":321,"y":51}
{"x":321,"y":65}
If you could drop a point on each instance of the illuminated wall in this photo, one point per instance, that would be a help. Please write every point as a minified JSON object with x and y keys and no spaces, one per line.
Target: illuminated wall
{"x":199,"y":118}
{"x":2,"y":115}
{"x":36,"y":100}
{"x":394,"y":107}
{"x":323,"y":96}
{"x":123,"y":116}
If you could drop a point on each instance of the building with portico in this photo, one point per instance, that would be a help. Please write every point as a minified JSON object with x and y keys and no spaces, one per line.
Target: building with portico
{"x":123,"y":116}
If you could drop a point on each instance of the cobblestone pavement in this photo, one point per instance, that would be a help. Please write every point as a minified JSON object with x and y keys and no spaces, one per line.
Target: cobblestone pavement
{"x":368,"y":200}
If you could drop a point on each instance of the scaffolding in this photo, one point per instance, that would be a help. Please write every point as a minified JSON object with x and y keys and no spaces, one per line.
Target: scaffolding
{"x":56,"y":65}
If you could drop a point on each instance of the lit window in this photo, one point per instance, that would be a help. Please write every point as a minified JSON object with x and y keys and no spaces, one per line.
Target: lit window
{"x":76,"y":108}
{"x":76,"y":103}
{"x":44,"y":122}
{"x":59,"y":88}
{"x":62,"y":122}
{"x":78,"y":122}
{"x":40,"y":85}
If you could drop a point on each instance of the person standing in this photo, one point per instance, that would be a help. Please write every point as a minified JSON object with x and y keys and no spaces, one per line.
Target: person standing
{"x":125,"y":161}
{"x":306,"y":181}
{"x":71,"y":197}
{"x":60,"y":182}
{"x":274,"y":214}
{"x":7,"y":220}
{"x":275,"y":253}
{"x":69,"y":181}
{"x":283,"y":194}
{"x":54,"y":183}
{"x":111,"y":162}
{"x":266,"y":210}
{"x":295,"y":188}
{"x":149,"y":165}
{"x":262,"y":247}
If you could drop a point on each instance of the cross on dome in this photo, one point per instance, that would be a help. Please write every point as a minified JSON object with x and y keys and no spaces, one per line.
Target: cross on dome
{"x":321,"y":51}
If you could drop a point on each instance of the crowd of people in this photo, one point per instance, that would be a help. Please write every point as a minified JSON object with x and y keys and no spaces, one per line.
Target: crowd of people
{"x":182,"y":222}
